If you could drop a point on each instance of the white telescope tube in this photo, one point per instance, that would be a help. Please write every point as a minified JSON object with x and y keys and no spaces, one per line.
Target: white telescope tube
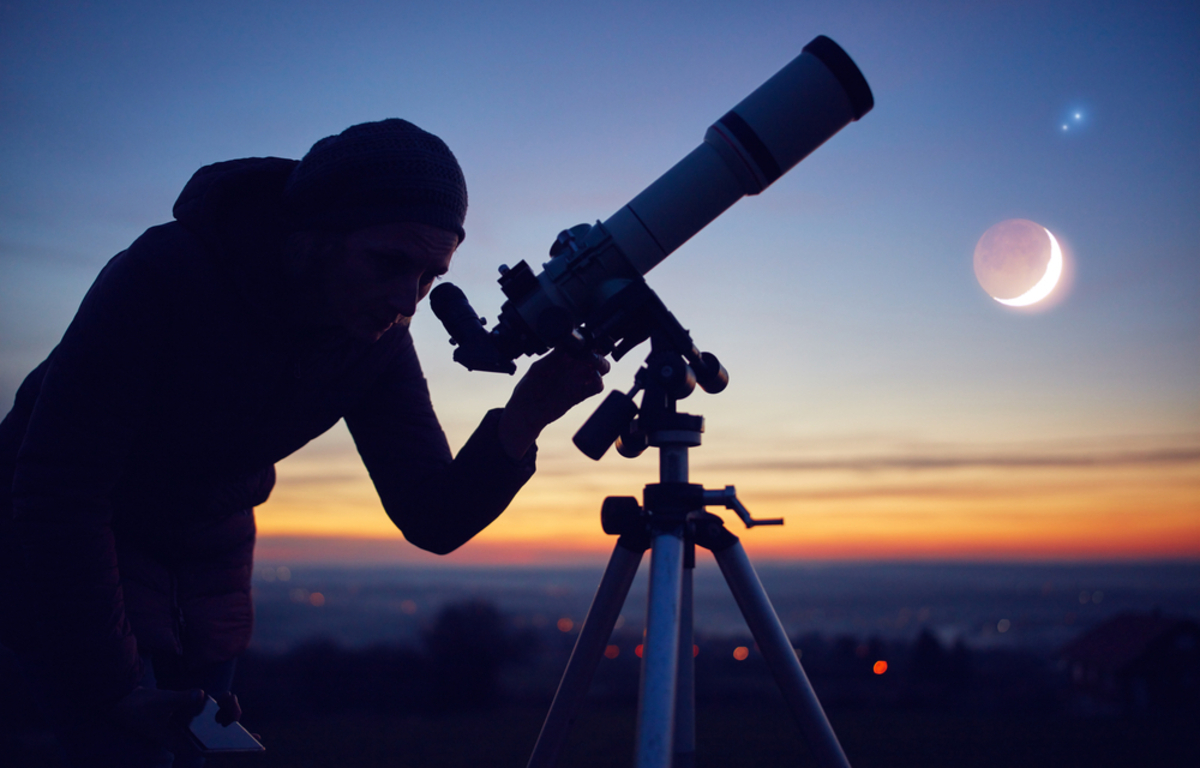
{"x":816,"y":95}
{"x":804,"y":104}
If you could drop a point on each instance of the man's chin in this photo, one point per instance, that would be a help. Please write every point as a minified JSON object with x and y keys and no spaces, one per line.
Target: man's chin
{"x":376,"y":331}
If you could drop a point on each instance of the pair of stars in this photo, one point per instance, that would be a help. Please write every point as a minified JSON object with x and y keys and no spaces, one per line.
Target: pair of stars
{"x":1078,"y":117}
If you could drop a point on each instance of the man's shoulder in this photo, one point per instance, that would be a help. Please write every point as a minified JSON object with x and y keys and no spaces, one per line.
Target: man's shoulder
{"x":167,"y":272}
{"x":168,"y":256}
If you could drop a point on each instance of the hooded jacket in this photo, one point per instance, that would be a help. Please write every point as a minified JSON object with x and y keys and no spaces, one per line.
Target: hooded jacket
{"x":134,"y":455}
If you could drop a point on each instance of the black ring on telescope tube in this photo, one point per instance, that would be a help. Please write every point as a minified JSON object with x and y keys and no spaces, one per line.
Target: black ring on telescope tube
{"x":762,"y":156}
{"x":846,"y":71}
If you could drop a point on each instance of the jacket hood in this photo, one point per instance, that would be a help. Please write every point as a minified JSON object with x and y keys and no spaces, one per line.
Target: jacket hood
{"x":236,"y":204}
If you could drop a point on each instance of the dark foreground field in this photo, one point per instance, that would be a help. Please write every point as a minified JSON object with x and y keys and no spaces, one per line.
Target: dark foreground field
{"x":472,"y":687}
{"x":729,"y":739}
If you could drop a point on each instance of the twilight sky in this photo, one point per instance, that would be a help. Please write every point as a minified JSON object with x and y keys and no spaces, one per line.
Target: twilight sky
{"x":880,"y":400}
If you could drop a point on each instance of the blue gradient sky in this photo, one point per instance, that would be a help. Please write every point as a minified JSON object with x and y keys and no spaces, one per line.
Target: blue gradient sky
{"x":880,"y":398}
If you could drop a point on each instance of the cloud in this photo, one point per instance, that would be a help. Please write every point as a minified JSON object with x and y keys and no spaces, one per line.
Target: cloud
{"x":43,"y":254}
{"x":1158,"y":457}
{"x":924,"y":491}
{"x":300,"y":477}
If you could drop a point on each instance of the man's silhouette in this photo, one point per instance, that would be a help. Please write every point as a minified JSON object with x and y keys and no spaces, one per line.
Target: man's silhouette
{"x":275,"y":304}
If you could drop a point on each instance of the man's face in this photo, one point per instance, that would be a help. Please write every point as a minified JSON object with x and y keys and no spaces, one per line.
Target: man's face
{"x":383,"y":272}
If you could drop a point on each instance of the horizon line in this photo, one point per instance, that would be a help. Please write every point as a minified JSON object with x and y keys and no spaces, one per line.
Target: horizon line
{"x":374,"y":552}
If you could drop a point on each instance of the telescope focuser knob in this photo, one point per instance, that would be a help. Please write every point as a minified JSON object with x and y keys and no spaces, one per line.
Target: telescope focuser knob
{"x":620,"y":514}
{"x":560,"y":244}
{"x":569,"y":239}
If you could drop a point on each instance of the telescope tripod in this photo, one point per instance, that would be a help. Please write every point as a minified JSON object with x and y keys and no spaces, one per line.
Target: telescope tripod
{"x":671,"y":522}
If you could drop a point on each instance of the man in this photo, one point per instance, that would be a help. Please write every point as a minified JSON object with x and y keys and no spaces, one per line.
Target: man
{"x":275,"y":304}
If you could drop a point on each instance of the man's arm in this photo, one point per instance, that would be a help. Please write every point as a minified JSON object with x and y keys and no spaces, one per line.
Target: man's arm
{"x":440,"y":502}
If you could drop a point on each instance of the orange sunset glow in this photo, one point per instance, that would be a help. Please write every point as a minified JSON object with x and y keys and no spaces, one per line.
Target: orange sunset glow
{"x":1035,"y":507}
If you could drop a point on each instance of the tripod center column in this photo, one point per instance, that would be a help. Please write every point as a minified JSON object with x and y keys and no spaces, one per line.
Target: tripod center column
{"x":673,"y":444}
{"x":673,"y":464}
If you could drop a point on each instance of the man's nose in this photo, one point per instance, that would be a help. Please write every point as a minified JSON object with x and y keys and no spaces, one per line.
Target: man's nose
{"x":405,"y":297}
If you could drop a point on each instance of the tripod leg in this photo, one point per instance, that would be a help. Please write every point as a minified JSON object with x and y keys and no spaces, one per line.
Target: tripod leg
{"x":593,"y":636}
{"x":685,"y":699}
{"x":781,"y":657}
{"x":660,"y":653}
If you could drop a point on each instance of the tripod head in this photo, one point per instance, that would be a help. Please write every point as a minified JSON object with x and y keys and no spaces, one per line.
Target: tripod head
{"x":672,"y":370}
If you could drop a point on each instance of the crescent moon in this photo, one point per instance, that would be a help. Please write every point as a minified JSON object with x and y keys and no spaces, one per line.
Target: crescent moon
{"x":1042,"y":288}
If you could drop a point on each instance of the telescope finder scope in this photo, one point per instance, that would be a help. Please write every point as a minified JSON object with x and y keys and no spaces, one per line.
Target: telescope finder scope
{"x":590,"y":292}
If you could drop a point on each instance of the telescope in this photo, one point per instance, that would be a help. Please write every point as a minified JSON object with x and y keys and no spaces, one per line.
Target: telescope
{"x":591,"y":295}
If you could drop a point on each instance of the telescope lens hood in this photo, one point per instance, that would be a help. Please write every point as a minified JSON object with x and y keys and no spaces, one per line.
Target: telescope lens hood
{"x":846,"y":71}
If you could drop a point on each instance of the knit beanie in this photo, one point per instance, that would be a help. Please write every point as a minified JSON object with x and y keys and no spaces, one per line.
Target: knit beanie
{"x":377,"y":173}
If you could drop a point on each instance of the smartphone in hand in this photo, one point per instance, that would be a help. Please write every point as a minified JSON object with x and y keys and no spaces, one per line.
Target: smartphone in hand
{"x":211,"y":736}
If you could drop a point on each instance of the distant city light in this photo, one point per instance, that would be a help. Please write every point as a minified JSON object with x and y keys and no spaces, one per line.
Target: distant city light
{"x":409,"y":607}
{"x":565,"y":624}
{"x":1003,"y":625}
{"x":741,"y":653}
{"x":613,"y":651}
{"x":317,"y":599}
{"x":880,"y":667}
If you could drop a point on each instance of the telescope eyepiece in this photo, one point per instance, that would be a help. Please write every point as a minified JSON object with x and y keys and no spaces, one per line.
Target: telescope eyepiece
{"x":477,"y":350}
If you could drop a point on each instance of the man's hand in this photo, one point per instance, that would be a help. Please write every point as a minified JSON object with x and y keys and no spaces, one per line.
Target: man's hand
{"x":230,"y":710}
{"x":550,"y":388}
{"x":153,"y":714}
